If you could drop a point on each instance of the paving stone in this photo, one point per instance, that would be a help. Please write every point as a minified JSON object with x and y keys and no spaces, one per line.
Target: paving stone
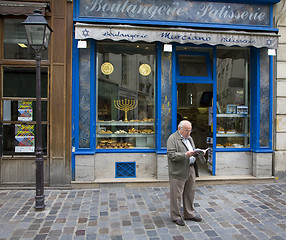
{"x":40,"y":237}
{"x":277,"y":238}
{"x":256,"y":211}
{"x":55,"y":233}
{"x":116,"y":238}
{"x":115,"y":232}
{"x":45,"y":229}
{"x":29,"y":235}
{"x":91,"y":236}
{"x":195,"y":229}
{"x":126,"y":223}
{"x":151,"y":233}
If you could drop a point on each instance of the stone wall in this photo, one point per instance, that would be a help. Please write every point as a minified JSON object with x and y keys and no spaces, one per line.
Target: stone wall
{"x":279,"y":163}
{"x":101,"y":166}
{"x":233,"y":163}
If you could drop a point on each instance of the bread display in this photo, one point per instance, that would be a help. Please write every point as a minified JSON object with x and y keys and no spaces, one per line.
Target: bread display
{"x":228,"y":145}
{"x":120,"y":132}
{"x":232,"y":130}
{"x":148,"y":119}
{"x":105,"y":132}
{"x":220,"y":129}
{"x":133,"y":131}
{"x":125,"y":134}
{"x":104,"y":144}
{"x":148,"y":131}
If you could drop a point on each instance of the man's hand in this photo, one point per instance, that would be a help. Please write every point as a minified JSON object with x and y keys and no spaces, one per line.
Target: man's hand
{"x":190,"y":153}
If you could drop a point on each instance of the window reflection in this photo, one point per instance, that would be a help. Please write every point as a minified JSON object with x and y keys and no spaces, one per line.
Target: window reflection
{"x":193,"y":65}
{"x":125,"y":95}
{"x":15,"y":41}
{"x":233,"y":98}
{"x":21,"y":82}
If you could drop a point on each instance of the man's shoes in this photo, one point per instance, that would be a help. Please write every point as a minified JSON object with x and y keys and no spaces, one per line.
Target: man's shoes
{"x":196,"y":219}
{"x":179,"y":222}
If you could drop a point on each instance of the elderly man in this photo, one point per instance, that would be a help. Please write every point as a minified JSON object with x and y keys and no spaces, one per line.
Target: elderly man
{"x":181,"y":162}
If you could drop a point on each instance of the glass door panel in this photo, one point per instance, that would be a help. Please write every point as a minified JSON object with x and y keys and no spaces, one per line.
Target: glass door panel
{"x":194,"y":103}
{"x":193,"y":65}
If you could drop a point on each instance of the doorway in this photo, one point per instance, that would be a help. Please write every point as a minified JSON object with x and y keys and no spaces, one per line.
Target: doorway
{"x":194,"y":103}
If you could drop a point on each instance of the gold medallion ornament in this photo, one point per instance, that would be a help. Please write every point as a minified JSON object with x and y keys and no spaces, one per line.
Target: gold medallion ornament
{"x":145,"y":69}
{"x":107,"y":68}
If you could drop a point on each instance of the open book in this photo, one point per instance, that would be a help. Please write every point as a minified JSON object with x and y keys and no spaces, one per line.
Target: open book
{"x":201,"y":151}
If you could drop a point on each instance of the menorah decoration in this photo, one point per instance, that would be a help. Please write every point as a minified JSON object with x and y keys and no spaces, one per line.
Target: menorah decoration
{"x":125,"y":105}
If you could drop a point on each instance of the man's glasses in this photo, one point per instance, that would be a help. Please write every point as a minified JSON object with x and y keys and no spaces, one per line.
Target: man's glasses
{"x":188,"y":130}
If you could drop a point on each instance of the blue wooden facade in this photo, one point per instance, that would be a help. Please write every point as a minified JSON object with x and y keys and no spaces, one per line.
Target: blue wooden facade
{"x":112,"y":13}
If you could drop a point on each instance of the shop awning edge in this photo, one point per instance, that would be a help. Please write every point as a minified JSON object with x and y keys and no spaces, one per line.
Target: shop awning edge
{"x":178,"y":35}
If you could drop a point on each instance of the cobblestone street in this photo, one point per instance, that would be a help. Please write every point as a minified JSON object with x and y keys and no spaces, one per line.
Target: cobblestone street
{"x":256,"y":211}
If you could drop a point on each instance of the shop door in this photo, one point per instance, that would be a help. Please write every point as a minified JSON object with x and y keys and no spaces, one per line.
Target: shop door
{"x":194,"y":103}
{"x":194,"y":88}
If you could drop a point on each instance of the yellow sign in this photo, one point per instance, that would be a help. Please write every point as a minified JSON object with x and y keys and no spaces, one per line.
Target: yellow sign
{"x":145,"y":69}
{"x":107,"y":68}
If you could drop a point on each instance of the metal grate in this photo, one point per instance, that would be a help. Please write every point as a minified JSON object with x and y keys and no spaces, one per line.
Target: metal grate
{"x":125,"y":169}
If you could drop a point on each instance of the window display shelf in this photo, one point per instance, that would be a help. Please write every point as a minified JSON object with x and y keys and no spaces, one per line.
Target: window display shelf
{"x":231,"y":115}
{"x":125,"y":135}
{"x":232,"y":130}
{"x":232,"y":135}
{"x":121,"y":123}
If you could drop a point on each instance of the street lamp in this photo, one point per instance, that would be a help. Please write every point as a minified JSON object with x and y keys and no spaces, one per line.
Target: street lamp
{"x":38,"y":35}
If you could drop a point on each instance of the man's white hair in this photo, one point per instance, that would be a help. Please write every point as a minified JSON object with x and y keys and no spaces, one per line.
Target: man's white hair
{"x":182,"y":123}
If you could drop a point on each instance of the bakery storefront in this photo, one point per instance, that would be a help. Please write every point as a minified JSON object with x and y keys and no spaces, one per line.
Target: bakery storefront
{"x":139,"y":67}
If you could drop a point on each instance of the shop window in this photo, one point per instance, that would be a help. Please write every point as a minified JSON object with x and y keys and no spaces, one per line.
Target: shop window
{"x":233,"y":98}
{"x":19,"y":110}
{"x":15,"y":41}
{"x":125,"y":95}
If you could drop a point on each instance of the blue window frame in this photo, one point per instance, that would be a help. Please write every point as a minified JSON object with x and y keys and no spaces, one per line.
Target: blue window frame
{"x":255,"y":113}
{"x":256,"y":133}
{"x":204,"y":55}
{"x":205,"y":74}
{"x":177,"y":78}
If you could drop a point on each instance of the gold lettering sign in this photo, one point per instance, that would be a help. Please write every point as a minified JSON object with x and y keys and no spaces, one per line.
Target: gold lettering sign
{"x":144,"y":69}
{"x":107,"y":68}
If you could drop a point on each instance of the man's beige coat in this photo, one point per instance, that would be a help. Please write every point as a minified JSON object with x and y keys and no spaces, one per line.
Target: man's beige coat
{"x":179,"y":166}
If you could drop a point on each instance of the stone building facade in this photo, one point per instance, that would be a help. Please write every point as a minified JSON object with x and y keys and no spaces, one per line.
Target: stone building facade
{"x":279,"y":163}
